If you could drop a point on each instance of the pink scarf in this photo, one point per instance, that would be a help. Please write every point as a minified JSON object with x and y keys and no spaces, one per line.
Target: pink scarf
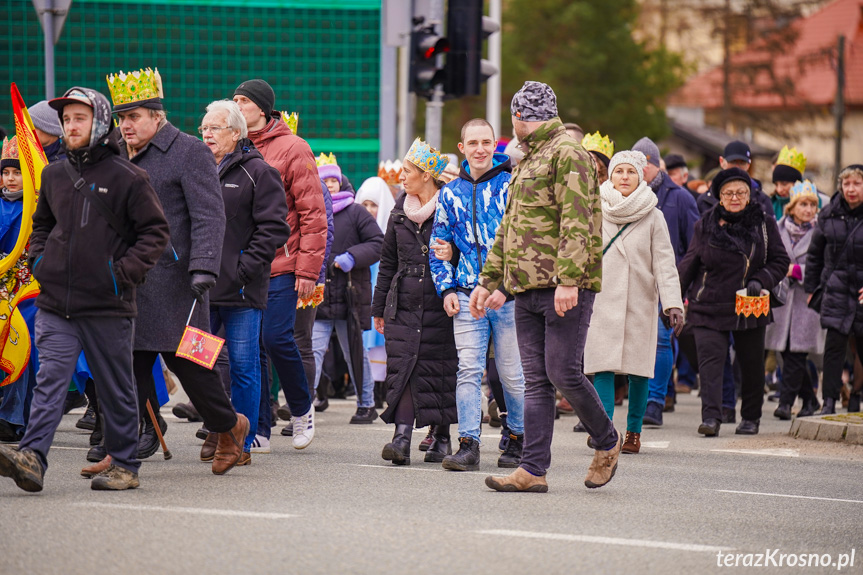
{"x":419,"y":213}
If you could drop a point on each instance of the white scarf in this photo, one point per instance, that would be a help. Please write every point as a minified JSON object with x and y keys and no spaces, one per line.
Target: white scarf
{"x":620,"y":209}
{"x":419,"y":213}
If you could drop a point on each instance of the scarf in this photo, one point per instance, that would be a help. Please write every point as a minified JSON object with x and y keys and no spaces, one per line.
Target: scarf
{"x":12,"y":196}
{"x":341,"y":200}
{"x":741,"y":229}
{"x":620,"y":209}
{"x":779,"y":204}
{"x":417,"y":213}
{"x":796,"y":231}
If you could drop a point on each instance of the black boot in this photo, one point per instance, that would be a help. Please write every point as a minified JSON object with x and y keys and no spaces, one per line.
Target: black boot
{"x":504,"y":433}
{"x":399,"y":449}
{"x":829,"y":406}
{"x":511,"y":458}
{"x":467,"y":458}
{"x":854,"y":403}
{"x":783,"y":412}
{"x":441,"y":445}
{"x":148,"y":442}
{"x":97,"y":453}
{"x":96,"y":435}
{"x":88,"y":420}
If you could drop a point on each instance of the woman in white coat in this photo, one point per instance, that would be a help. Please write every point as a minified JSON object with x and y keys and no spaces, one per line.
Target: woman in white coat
{"x":638,"y":269}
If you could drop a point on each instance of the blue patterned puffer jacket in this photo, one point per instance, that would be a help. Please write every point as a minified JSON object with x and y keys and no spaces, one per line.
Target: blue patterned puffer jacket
{"x":466,"y":210}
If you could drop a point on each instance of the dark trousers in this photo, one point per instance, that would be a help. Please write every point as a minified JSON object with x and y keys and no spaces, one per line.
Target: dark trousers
{"x":835,"y":352}
{"x":712,"y":354}
{"x":107,"y":344}
{"x":304,"y":324}
{"x":203,"y":386}
{"x":552,"y":356}
{"x":795,"y":378}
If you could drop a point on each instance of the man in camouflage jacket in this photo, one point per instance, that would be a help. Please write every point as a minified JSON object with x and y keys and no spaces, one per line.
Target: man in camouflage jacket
{"x":548,"y":252}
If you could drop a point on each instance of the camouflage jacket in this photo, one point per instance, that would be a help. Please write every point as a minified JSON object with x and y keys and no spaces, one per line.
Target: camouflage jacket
{"x":551,"y":233}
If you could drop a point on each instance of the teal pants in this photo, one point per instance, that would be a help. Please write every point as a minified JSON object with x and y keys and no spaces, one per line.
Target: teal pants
{"x":604,"y":384}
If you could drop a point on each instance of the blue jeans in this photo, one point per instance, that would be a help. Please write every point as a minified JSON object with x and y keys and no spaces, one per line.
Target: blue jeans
{"x":321,"y":334}
{"x":471,"y":340}
{"x":242,"y":338}
{"x":279,"y":342}
{"x":658,"y":384}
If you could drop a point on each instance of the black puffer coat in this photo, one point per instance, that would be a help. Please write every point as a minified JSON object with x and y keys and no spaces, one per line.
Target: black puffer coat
{"x":354,"y":231}
{"x":839,"y":307}
{"x":420,"y":345}
{"x":716,"y":266}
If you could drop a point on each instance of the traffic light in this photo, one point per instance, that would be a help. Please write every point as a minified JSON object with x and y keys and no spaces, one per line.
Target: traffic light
{"x":467,"y":29}
{"x":426,"y":46}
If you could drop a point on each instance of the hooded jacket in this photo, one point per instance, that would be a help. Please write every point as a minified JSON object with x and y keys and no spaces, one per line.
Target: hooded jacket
{"x":84,"y":267}
{"x":255,"y":226}
{"x":468,"y":214}
{"x":294,"y":160}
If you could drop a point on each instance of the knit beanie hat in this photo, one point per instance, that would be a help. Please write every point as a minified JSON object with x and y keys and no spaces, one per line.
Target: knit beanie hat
{"x":649,"y":149}
{"x":634,"y":158}
{"x":330,"y":171}
{"x":535,"y":102}
{"x":259,"y":92}
{"x":46,"y":119}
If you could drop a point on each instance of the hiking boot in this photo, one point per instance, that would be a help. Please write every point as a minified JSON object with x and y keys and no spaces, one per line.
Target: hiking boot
{"x":23,"y":466}
{"x":88,"y":420}
{"x":653,"y":413}
{"x":115,"y":478}
{"x":97,"y":453}
{"x":304,"y":429}
{"x":511,"y":457}
{"x":186,"y":411}
{"x":441,"y":445}
{"x":229,"y":449}
{"x":709,"y":427}
{"x":829,"y":406}
{"x":399,"y":449}
{"x":783,"y":412}
{"x":208,"y":450}
{"x":603,"y":467}
{"x":631,"y":443}
{"x":96,"y":468}
{"x":148,"y":442}
{"x":467,"y":458}
{"x":427,"y":440}
{"x":518,"y":480}
{"x":747,"y":427}
{"x":364,"y":415}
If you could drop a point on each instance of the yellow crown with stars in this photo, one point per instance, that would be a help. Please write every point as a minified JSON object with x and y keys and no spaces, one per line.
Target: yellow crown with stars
{"x":598,"y":143}
{"x":135,"y":86}
{"x":793,"y":158}
{"x":292,"y":120}
{"x":325,"y":160}
{"x":427,"y":158}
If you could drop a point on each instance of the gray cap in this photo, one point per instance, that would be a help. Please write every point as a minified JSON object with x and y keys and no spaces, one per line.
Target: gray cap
{"x":45,"y":118}
{"x":649,"y":149}
{"x":535,"y":102}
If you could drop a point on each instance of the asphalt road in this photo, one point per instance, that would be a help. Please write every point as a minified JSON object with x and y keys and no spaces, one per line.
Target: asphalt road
{"x":681,"y":506}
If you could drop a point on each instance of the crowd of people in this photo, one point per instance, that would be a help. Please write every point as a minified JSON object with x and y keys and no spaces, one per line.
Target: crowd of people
{"x":562,"y":274}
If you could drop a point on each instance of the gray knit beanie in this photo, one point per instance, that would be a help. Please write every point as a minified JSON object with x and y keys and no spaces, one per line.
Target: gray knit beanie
{"x":649,"y":149}
{"x":46,"y":119}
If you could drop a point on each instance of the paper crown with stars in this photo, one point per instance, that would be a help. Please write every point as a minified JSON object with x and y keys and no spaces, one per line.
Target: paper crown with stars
{"x":390,"y":172}
{"x":292,"y":120}
{"x":793,"y":158}
{"x":599,"y":144}
{"x":141,"y":88}
{"x":427,"y":158}
{"x":328,"y":167}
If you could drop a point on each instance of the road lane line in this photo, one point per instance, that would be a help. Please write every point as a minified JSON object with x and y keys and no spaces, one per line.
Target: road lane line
{"x":189,"y":510}
{"x":787,"y":496}
{"x":605,"y":540}
{"x":70,"y":448}
{"x":409,"y":468}
{"x":773,"y":452}
{"x":655,"y":444}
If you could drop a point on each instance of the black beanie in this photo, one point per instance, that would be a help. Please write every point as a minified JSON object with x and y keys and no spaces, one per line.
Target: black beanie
{"x":783,"y":173}
{"x":259,"y":92}
{"x":729,"y":175}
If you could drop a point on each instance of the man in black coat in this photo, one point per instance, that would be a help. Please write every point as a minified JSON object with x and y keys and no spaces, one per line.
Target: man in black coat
{"x":88,"y":272}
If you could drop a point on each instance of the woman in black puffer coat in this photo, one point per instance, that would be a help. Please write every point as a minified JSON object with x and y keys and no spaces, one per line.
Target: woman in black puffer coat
{"x":422,"y":360}
{"x":835,"y":264}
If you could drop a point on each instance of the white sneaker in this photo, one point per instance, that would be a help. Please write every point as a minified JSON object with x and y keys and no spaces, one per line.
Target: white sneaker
{"x":260,"y":444}
{"x":304,"y":429}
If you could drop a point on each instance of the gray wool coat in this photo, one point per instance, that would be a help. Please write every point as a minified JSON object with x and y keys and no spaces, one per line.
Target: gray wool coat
{"x":795,"y":317}
{"x":183,"y":172}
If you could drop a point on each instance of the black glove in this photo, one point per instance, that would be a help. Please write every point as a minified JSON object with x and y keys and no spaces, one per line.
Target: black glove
{"x":200,"y":283}
{"x":675,"y":318}
{"x":753,"y":288}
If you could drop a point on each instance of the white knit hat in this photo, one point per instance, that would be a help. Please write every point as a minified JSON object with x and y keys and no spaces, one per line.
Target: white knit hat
{"x":634,"y":158}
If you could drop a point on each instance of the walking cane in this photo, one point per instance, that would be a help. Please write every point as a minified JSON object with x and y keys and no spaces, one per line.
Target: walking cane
{"x":165,"y":451}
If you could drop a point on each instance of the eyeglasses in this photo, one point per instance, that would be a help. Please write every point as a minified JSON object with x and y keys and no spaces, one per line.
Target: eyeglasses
{"x":214,"y":129}
{"x":729,"y":195}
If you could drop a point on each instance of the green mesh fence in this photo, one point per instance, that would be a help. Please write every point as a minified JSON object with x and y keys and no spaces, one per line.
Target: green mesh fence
{"x":323,"y":63}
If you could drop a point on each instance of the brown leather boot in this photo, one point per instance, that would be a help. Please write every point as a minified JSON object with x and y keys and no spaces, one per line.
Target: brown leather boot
{"x":632,"y":442}
{"x":245,"y":459}
{"x":208,"y":450}
{"x":230,"y":446}
{"x":96,"y":468}
{"x":603,"y":466}
{"x":518,"y":480}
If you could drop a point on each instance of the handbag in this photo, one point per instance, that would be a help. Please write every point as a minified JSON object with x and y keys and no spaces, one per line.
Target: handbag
{"x":779,"y":293}
{"x":818,"y":293}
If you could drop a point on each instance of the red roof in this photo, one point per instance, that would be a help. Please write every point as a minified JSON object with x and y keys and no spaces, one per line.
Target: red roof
{"x":807,"y":68}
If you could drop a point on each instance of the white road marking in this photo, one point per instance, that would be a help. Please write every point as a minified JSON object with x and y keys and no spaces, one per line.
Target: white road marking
{"x":773,"y":452}
{"x":189,"y":510}
{"x":437,"y":469}
{"x":605,"y":540}
{"x":788,"y":496}
{"x":655,"y":444}
{"x":71,"y":448}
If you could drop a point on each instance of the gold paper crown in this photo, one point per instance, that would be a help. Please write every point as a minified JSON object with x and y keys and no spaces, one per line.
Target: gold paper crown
{"x":135,"y":86}
{"x":390,"y":172}
{"x":427,"y":158}
{"x":292,"y":120}
{"x":325,"y":160}
{"x":598,"y":143}
{"x":10,"y":148}
{"x":793,"y":158}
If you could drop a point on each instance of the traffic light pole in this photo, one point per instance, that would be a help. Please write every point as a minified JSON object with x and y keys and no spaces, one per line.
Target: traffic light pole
{"x":434,"y":108}
{"x":493,"y":86}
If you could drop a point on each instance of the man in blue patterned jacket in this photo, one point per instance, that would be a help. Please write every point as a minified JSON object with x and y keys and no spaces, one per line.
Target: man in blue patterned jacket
{"x":469,"y":211}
